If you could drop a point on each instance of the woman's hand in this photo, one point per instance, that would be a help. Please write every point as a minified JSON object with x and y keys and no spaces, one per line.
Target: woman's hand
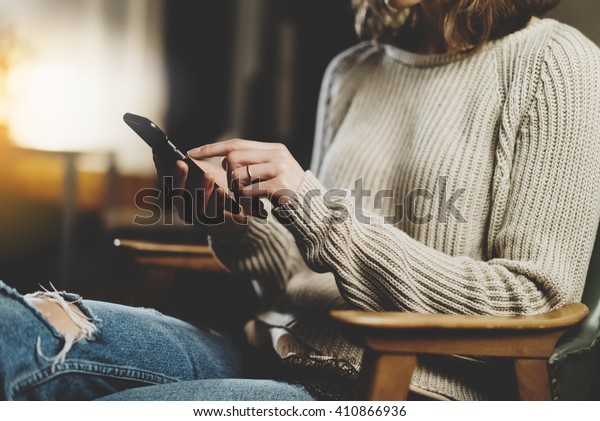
{"x":256,"y":169}
{"x":224,"y":225}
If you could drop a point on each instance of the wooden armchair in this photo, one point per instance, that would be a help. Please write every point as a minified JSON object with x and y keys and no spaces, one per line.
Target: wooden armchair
{"x":393,"y":341}
{"x":556,"y":355}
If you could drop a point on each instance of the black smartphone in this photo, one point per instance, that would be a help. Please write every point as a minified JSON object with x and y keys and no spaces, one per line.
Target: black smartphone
{"x":160,"y":144}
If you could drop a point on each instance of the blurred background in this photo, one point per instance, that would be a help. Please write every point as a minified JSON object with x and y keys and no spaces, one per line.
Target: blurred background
{"x":203,"y":70}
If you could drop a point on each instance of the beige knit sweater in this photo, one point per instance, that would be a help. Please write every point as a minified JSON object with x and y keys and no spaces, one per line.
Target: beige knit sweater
{"x":493,"y":162}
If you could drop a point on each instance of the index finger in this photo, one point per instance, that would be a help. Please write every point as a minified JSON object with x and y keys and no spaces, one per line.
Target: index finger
{"x":227,"y":146}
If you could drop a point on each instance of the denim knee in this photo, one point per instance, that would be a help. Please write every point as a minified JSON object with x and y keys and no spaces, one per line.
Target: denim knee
{"x":30,"y":343}
{"x":217,"y":390}
{"x":118,"y":347}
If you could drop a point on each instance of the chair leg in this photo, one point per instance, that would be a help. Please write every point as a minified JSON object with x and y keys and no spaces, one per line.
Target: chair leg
{"x":388,"y":376}
{"x":533,"y":380}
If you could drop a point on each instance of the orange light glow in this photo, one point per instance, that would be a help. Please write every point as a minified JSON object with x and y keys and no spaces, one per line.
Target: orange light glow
{"x":71,"y":88}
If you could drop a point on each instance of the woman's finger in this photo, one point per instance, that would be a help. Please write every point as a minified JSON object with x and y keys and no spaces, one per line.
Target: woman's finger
{"x":261,"y":189}
{"x":224,"y":215}
{"x":203,"y":196}
{"x":253,"y":173}
{"x":272,"y":188}
{"x":252,"y":206}
{"x":173,"y":188}
{"x":227,"y":146}
{"x":180,"y":175}
{"x":242,"y":158}
{"x":243,"y":167}
{"x":184,"y":207}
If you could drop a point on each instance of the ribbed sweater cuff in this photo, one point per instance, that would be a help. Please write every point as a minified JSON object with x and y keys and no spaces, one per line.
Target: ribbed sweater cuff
{"x":310,"y":213}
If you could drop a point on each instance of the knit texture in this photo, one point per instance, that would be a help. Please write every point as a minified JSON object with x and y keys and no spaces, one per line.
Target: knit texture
{"x":489,"y":163}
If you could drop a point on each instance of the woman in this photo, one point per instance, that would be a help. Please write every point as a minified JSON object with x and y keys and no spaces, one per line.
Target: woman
{"x":469,"y":135}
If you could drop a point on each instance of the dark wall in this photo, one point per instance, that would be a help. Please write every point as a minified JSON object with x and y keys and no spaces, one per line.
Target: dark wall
{"x":198,"y":44}
{"x":200,"y":39}
{"x":582,"y":14}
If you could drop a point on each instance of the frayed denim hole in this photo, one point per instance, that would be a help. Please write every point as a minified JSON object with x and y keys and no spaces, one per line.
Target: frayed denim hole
{"x":14,"y":294}
{"x":84,"y":322}
{"x":76,"y":299}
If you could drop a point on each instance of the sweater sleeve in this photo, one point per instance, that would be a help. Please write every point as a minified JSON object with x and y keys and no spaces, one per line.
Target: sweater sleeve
{"x":541,"y":247}
{"x":267,"y":251}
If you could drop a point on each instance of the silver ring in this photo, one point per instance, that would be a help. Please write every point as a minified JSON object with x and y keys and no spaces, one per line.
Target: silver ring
{"x":249,"y":173}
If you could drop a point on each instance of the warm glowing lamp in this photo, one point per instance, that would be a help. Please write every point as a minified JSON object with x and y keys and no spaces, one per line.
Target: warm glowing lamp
{"x":67,"y":97}
{"x":51,"y":111}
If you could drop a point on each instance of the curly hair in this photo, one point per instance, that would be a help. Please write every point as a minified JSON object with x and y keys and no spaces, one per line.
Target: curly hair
{"x":466,"y":24}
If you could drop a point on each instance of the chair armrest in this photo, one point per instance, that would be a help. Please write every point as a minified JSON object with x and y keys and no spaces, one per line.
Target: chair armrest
{"x":394,"y":340}
{"x":563,"y":317}
{"x":445,"y":334}
{"x":156,"y":247}
{"x":190,"y":257}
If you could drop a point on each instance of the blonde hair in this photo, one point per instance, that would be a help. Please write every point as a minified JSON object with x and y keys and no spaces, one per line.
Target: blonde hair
{"x":466,"y":24}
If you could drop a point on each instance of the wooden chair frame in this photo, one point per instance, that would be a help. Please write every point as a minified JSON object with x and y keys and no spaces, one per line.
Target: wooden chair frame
{"x":393,"y":340}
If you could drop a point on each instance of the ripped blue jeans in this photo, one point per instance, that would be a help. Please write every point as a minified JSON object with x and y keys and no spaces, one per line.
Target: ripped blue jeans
{"x":120,"y":353}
